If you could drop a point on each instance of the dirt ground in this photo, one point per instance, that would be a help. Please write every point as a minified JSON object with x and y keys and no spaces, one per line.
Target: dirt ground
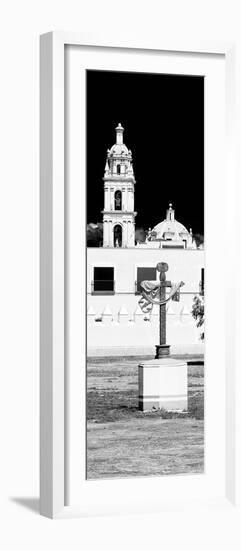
{"x":123,"y":441}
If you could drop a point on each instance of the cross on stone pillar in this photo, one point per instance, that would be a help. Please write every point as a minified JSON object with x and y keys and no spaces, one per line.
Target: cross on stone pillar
{"x":162,"y":349}
{"x":162,"y":382}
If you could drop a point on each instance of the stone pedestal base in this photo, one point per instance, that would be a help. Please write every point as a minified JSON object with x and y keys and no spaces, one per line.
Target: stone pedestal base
{"x":162,"y":350}
{"x":163,"y":384}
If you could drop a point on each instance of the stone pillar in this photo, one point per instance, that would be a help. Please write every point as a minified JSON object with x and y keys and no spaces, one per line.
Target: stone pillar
{"x":163,"y":385}
{"x":127,"y":233}
{"x":111,"y":236}
{"x":112,"y":202}
{"x":130,"y":199}
{"x":124,"y":233}
{"x":123,"y":195}
{"x":105,"y":233}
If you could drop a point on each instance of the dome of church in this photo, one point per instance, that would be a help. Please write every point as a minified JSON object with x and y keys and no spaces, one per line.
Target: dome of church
{"x":170,"y":227}
{"x":119,"y":149}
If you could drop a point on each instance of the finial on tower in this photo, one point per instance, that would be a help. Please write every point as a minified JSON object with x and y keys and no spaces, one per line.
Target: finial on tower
{"x":106,"y":168}
{"x":119,"y":134}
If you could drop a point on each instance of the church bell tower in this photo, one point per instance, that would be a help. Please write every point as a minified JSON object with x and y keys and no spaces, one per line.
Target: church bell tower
{"x":119,"y":182}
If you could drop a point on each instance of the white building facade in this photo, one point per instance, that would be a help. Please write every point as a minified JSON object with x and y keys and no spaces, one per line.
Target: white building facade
{"x":116,"y":324}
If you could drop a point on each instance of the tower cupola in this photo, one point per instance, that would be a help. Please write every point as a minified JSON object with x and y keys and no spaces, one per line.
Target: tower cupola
{"x":119,"y":134}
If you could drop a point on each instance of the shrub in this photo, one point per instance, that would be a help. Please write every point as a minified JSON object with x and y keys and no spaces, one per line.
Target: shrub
{"x":198,"y":312}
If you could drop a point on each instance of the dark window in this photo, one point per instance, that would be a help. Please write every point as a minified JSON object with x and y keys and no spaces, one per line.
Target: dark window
{"x":118,"y":200}
{"x":118,"y":168}
{"x":103,"y":279}
{"x":117,"y":236}
{"x":145,"y":274}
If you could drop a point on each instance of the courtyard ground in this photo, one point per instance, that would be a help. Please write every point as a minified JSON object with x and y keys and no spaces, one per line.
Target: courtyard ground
{"x":123,"y":441}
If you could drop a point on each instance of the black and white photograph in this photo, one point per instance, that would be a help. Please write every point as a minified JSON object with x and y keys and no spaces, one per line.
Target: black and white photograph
{"x":145,"y":274}
{"x":121,"y":287}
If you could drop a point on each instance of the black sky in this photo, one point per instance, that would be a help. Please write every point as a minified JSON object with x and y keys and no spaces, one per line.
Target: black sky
{"x":163,"y":117}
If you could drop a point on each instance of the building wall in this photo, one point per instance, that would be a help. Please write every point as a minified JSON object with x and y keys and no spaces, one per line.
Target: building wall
{"x":120,"y":323}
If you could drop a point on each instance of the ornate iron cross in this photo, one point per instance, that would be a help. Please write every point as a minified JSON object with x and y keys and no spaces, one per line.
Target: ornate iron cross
{"x":150,"y":290}
{"x":162,"y":267}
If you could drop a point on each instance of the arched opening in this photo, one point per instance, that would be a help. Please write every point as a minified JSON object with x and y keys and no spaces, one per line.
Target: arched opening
{"x":118,"y":169}
{"x":118,"y":200}
{"x":118,"y":236}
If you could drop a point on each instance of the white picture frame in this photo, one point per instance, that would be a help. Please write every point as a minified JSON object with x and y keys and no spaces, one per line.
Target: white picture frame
{"x":54,"y":429}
